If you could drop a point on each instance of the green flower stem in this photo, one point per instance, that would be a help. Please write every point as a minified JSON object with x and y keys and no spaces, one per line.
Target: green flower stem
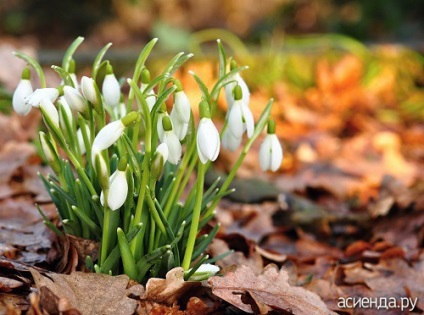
{"x":106,"y":232}
{"x":196,"y":217}
{"x":186,"y":178}
{"x":176,"y":185}
{"x":31,"y":61}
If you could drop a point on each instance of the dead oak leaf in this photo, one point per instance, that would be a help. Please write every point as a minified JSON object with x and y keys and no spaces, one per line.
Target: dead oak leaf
{"x":168,"y":290}
{"x":86,"y":293}
{"x":265,"y":292}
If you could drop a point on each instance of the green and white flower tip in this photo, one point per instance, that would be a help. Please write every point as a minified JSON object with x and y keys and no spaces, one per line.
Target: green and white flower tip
{"x":207,"y":268}
{"x":110,"y":133}
{"x":233,"y":81}
{"x":35,"y":98}
{"x":72,"y":74}
{"x":74,"y":99}
{"x":181,"y":111}
{"x":23,"y":90}
{"x":47,"y":149}
{"x":89,"y":90}
{"x":208,"y":141}
{"x":111,"y":89}
{"x":172,"y":141}
{"x":270,"y":152}
{"x":150,"y":95}
{"x":50,"y":110}
{"x":159,"y":159}
{"x":159,"y":127}
{"x":240,"y":117}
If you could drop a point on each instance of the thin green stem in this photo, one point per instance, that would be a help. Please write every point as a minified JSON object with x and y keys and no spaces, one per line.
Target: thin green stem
{"x":196,"y":217}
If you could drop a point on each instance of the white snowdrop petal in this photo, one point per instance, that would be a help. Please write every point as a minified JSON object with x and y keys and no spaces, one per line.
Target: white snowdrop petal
{"x":50,"y":110}
{"x":74,"y":98}
{"x":174,"y":147}
{"x":208,"y":141}
{"x":74,"y":80}
{"x":35,"y":98}
{"x":163,"y":150}
{"x":235,"y":120}
{"x":108,"y":135}
{"x":111,"y":90}
{"x":118,"y":190}
{"x":88,"y":89}
{"x":23,"y":89}
{"x":208,"y":268}
{"x":182,"y":106}
{"x":230,"y":142}
{"x":265,"y":154}
{"x":276,"y":153}
{"x":249,"y":121}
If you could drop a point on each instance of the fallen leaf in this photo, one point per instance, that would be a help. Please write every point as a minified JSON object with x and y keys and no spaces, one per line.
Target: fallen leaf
{"x":270,"y":291}
{"x":167,"y":290}
{"x":87,"y":293}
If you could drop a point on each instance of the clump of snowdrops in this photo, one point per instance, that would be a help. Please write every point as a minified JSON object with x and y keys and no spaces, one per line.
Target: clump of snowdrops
{"x":121,"y":163}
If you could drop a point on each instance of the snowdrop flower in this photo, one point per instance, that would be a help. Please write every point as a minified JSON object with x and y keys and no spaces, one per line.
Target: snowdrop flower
{"x":35,"y":98}
{"x":207,"y":268}
{"x":172,"y":141}
{"x":111,"y":89}
{"x":120,"y":110}
{"x":180,"y":113}
{"x":50,"y":111}
{"x":110,"y":133}
{"x":74,"y":99}
{"x":23,"y":89}
{"x":240,"y":117}
{"x":229,"y":88}
{"x":229,"y":141}
{"x":118,"y":188}
{"x":150,"y":95}
{"x":208,"y":141}
{"x":89,"y":90}
{"x":270,"y":152}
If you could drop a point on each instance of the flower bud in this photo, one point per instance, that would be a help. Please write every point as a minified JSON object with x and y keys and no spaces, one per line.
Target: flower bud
{"x":74,"y":99}
{"x":208,"y":141}
{"x":270,"y":152}
{"x":23,"y":90}
{"x":50,"y":110}
{"x":159,"y":159}
{"x":90,"y":90}
{"x":111,"y":89}
{"x":118,"y":190}
{"x":50,"y":153}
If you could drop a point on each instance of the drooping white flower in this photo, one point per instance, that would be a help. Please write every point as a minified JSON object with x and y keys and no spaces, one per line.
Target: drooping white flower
{"x":108,"y":135}
{"x":158,"y":162}
{"x":111,"y":89}
{"x":240,"y":118}
{"x":229,"y":141}
{"x":88,"y":89}
{"x":35,"y":98}
{"x":118,"y":190}
{"x":208,"y":141}
{"x":23,"y":90}
{"x":74,"y":99}
{"x":229,"y":88}
{"x":270,"y":153}
{"x":180,"y":114}
{"x":50,"y":110}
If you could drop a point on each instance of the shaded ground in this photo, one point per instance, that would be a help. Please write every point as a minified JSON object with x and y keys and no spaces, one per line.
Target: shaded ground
{"x":344,"y":217}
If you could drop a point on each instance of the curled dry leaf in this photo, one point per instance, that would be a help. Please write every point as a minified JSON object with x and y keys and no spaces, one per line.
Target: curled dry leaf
{"x":266,"y":292}
{"x":168,"y":290}
{"x":85,"y":293}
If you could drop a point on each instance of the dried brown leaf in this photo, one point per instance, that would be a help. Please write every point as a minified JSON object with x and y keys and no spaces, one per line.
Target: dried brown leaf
{"x":167,"y":290}
{"x":270,"y":291}
{"x":86,"y":293}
